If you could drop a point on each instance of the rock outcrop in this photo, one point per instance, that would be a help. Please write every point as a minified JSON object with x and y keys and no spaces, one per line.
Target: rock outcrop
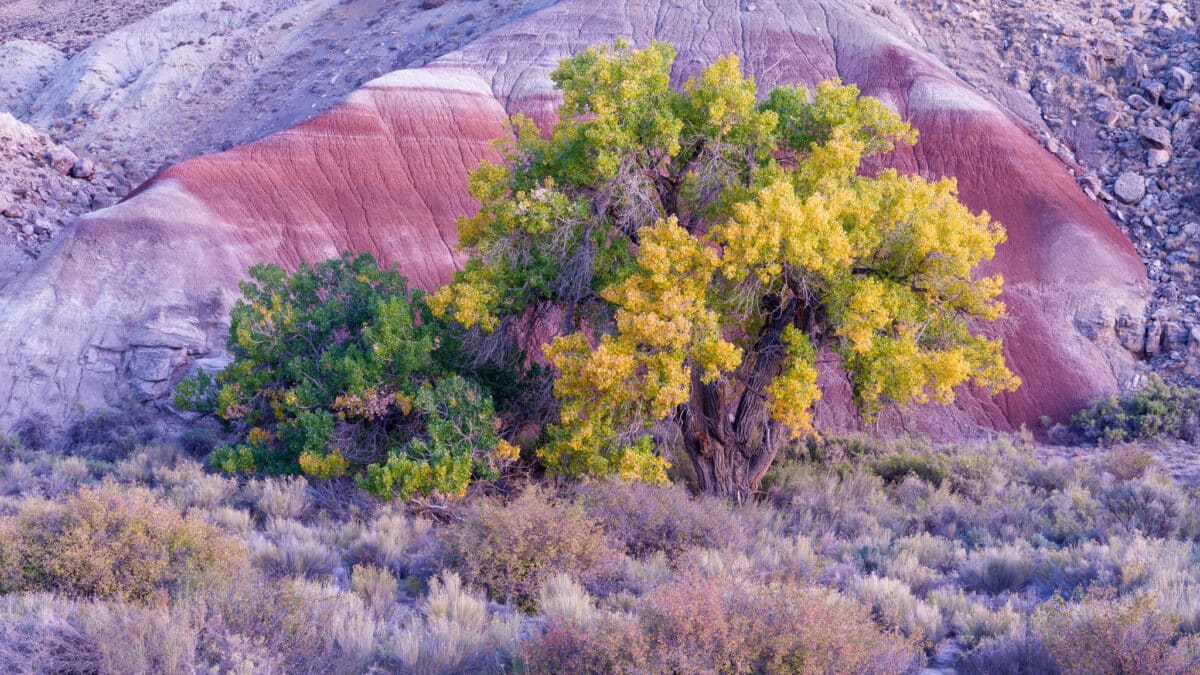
{"x":132,"y":296}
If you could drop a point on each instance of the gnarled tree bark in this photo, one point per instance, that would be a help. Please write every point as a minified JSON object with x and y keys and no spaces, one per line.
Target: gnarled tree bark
{"x":727,"y":429}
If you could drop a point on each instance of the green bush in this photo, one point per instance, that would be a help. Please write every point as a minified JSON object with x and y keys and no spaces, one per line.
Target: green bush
{"x":339,"y":369}
{"x":1158,"y":409}
{"x":896,"y":466}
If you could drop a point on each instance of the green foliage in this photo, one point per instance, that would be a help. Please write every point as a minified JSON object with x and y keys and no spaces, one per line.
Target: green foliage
{"x":896,"y":466}
{"x":1158,"y":409}
{"x":706,"y":247}
{"x":339,"y":369}
{"x":459,"y":418}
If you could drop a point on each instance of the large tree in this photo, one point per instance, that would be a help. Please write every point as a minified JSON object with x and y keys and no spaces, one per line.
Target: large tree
{"x":703,"y":248}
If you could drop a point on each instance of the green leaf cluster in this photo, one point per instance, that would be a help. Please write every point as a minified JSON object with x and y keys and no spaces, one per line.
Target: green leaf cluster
{"x":340,"y":369}
{"x":1158,"y":409}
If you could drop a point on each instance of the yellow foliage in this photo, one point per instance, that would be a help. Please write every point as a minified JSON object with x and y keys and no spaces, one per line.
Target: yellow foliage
{"x":705,"y":215}
{"x":329,"y":465}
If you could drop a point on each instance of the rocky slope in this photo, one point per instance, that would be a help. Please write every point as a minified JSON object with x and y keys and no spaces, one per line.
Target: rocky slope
{"x":199,"y":76}
{"x":43,"y":185}
{"x":1110,"y":88}
{"x":131,"y":296}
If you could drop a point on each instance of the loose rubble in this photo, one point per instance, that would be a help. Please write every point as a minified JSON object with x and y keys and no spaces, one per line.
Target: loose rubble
{"x":43,"y":186}
{"x":1114,"y":94}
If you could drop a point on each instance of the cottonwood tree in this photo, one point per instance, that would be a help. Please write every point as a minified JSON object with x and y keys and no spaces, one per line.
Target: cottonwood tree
{"x":702,"y":248}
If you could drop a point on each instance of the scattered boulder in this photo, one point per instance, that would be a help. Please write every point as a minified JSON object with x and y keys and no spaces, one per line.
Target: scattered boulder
{"x":1181,"y":80}
{"x":1130,"y":187}
{"x":60,"y":159}
{"x":1131,"y":333}
{"x":1154,"y":90}
{"x":84,"y":169}
{"x":1156,"y":137}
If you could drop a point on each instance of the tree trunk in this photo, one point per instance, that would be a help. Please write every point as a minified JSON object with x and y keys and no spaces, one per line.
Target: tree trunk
{"x":729,"y":471}
{"x":727,"y":429}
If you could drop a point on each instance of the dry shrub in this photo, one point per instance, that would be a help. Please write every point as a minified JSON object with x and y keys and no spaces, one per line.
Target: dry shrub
{"x":453,"y":633}
{"x":71,"y":471}
{"x":322,"y":629}
{"x":108,"y":435}
{"x":142,"y":464}
{"x":652,"y":518}
{"x":996,"y":570}
{"x":612,"y":643}
{"x":234,"y":520}
{"x":205,"y":491}
{"x":135,"y":639}
{"x":893,"y":602}
{"x":641,"y":575}
{"x":580,"y":638}
{"x":37,"y":634}
{"x":110,"y":542}
{"x":1016,"y":653}
{"x":722,"y":624}
{"x":1153,"y":507}
{"x":1128,"y":461}
{"x":512,"y":549}
{"x":1109,"y":635}
{"x":41,"y":632}
{"x":971,"y":621}
{"x":906,"y":567}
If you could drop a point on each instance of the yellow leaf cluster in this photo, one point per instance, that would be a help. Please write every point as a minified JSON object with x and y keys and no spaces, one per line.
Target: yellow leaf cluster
{"x":328,"y":465}
{"x":745,"y":210}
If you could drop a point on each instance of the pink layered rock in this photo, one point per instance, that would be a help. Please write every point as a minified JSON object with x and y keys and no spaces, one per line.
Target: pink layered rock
{"x":130,"y":296}
{"x":128,"y":299}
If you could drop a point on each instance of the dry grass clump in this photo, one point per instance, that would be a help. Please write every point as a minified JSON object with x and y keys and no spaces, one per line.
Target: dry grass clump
{"x":999,"y":569}
{"x":894,"y":604}
{"x":45,"y":633}
{"x":324,"y":629}
{"x":110,"y":542}
{"x":578,"y":637}
{"x":377,"y":587}
{"x":512,"y":549}
{"x":453,"y":632}
{"x":403,"y":544}
{"x":276,"y":497}
{"x":291,"y":548}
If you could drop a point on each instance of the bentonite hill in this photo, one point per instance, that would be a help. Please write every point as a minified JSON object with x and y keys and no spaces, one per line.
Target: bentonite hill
{"x":641,"y":373}
{"x":127,"y":298}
